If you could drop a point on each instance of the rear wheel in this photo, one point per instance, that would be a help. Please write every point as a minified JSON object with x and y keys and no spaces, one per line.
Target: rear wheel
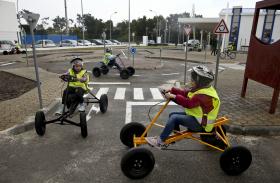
{"x":83,"y":124}
{"x":5,"y":53}
{"x":103,"y":103}
{"x":40,"y":125}
{"x":105,"y":69}
{"x":96,"y":72}
{"x":235,"y":160}
{"x":124,"y":74}
{"x":129,"y":131}
{"x":137,"y":163}
{"x":222,"y":55}
{"x":232,"y":55}
{"x":131,"y":70}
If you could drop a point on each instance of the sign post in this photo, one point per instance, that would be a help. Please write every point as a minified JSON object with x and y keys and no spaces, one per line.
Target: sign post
{"x":104,"y":37}
{"x":133,"y":52}
{"x":188,"y":30}
{"x":220,"y":29}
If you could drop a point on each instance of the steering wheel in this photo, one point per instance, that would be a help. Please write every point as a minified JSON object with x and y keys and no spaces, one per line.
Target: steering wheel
{"x":68,"y":78}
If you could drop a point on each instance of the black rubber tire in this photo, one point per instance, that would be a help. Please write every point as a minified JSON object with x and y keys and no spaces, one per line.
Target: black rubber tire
{"x":222,"y":55}
{"x":83,"y":124}
{"x":40,"y":125}
{"x":129,"y":130}
{"x":96,"y":72}
{"x":235,"y":160}
{"x":5,"y":53}
{"x":232,"y":55}
{"x":124,"y":74}
{"x":137,"y":163}
{"x":103,"y":103}
{"x":104,"y":69}
{"x":211,"y":139}
{"x":23,"y":52}
{"x":131,"y":70}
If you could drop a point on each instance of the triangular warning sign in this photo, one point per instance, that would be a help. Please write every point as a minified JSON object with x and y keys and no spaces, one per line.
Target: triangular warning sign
{"x":221,"y":28}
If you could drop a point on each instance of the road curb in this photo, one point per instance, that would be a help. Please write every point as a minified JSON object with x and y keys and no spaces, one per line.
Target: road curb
{"x":28,"y":124}
{"x":179,"y":59}
{"x":255,"y":130}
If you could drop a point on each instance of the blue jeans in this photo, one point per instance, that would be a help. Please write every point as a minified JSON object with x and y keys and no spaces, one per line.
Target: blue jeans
{"x":179,"y":118}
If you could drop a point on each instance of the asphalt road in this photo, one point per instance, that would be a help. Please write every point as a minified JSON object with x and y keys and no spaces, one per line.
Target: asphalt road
{"x":62,"y":155}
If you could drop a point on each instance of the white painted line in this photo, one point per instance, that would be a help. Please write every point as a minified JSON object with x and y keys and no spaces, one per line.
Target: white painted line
{"x":10,"y":63}
{"x":128,"y":115}
{"x":120,"y":94}
{"x":89,"y":71}
{"x":136,"y":75}
{"x":156,"y":94}
{"x":93,"y":108}
{"x":86,"y":95}
{"x":109,"y":83}
{"x":171,"y":74}
{"x":102,"y":91}
{"x":138,"y":94}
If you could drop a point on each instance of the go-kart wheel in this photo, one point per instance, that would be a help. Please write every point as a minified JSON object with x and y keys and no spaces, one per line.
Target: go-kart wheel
{"x":124,"y":74}
{"x":96,"y":72}
{"x":103,"y":103}
{"x":5,"y":53}
{"x":212,"y":139}
{"x":40,"y":125}
{"x":232,"y":55}
{"x":104,"y":69}
{"x":131,"y":70}
{"x":222,"y":55}
{"x":128,"y":132}
{"x":83,"y":124}
{"x":235,"y":160}
{"x":23,"y":52}
{"x":137,"y":163}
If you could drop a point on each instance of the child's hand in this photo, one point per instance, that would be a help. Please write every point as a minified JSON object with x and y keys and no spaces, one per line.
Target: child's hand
{"x":169,"y":96}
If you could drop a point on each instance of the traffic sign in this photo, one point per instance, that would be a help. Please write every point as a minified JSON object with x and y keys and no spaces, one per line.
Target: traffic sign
{"x":221,"y":28}
{"x":133,"y":50}
{"x":188,"y":29}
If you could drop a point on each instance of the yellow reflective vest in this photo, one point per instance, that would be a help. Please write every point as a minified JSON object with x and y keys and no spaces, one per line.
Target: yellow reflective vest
{"x":106,"y":58}
{"x":197,"y":111}
{"x":79,"y":76}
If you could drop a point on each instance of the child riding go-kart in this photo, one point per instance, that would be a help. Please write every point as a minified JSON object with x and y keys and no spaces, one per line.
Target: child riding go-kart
{"x":73,"y":98}
{"x":201,"y":104}
{"x":110,"y":61}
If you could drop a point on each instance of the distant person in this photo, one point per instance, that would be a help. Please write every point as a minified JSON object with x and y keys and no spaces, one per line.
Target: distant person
{"x":201,"y":105}
{"x":214,"y":46}
{"x":78,"y":87}
{"x":110,"y":59}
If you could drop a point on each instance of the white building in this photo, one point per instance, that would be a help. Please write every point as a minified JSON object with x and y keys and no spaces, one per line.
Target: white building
{"x":240,"y":20}
{"x":8,"y":21}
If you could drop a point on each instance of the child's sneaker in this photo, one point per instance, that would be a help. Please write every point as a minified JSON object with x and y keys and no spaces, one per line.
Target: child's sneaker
{"x":81,"y":107}
{"x":156,"y":142}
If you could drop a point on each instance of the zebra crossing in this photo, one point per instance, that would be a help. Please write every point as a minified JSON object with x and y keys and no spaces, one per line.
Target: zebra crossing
{"x":137,"y":94}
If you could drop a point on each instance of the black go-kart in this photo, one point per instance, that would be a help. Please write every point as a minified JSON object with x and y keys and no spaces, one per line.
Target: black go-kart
{"x":71,"y":103}
{"x":102,"y":68}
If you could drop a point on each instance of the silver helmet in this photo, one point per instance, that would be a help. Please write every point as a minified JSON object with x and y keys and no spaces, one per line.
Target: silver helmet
{"x":202,"y":76}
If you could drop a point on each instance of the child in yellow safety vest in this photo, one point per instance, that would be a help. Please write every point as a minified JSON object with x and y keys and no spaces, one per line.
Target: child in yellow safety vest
{"x":201,"y":106}
{"x":78,"y":87}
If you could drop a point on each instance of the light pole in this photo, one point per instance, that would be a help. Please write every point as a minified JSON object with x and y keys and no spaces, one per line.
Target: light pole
{"x":66,"y":17}
{"x":111,"y":24}
{"x":83,"y":22}
{"x":129,"y":30}
{"x":157,"y":22}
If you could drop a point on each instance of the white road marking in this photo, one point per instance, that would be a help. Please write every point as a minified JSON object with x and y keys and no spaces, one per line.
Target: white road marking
{"x":10,"y":63}
{"x":93,"y":108}
{"x":86,"y":95}
{"x":120,"y":94}
{"x":156,"y":94}
{"x":171,"y":74}
{"x":138,"y":94}
{"x":234,"y":66}
{"x":128,"y":115}
{"x":109,"y":83}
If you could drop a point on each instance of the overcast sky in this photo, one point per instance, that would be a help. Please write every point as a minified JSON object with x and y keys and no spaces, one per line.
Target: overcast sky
{"x":103,"y":9}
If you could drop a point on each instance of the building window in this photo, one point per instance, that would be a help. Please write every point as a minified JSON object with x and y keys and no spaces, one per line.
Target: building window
{"x":234,"y":29}
{"x":268,"y":25}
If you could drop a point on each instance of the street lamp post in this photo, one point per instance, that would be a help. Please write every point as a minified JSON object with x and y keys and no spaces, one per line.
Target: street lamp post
{"x":111,"y":24}
{"x":83,"y":22}
{"x":157,"y":28}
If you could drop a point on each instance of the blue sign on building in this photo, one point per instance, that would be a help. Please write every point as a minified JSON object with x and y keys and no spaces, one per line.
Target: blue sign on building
{"x":133,"y":50}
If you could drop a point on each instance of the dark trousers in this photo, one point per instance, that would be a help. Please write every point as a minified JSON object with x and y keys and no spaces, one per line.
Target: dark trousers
{"x":77,"y":92}
{"x":114,"y":63}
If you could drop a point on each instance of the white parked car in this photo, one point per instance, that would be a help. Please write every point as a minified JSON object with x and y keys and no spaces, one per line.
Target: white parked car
{"x":44,"y":43}
{"x":69,"y":43}
{"x":6,"y":45}
{"x":84,"y":43}
{"x":192,"y":43}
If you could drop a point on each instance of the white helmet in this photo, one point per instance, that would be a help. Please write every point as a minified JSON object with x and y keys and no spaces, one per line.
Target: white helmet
{"x":77,"y":61}
{"x":202,"y":76}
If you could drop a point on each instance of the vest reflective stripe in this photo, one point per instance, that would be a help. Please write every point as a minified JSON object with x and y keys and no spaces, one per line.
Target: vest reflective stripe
{"x":197,"y":111}
{"x":106,"y":58}
{"x":79,"y":76}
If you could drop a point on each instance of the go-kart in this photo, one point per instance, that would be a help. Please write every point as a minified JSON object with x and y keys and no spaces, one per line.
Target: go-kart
{"x":14,"y":51}
{"x":102,"y":68}
{"x":71,"y":103}
{"x":138,"y":162}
